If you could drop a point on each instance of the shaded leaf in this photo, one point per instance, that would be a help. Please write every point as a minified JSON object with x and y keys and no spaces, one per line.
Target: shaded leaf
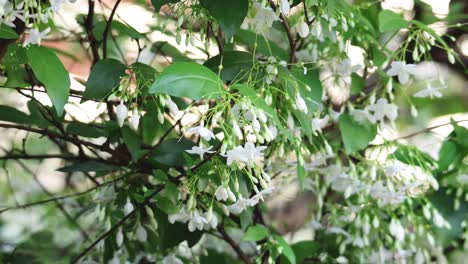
{"x":355,"y":135}
{"x":52,"y":74}
{"x":228,"y":14}
{"x":105,"y":75}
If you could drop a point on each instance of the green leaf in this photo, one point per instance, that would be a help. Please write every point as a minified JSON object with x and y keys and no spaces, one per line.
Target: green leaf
{"x":357,"y":83}
{"x":450,"y":154}
{"x":236,"y":64}
{"x":390,"y":21}
{"x":7,"y":32}
{"x":287,"y":250}
{"x":50,"y":71}
{"x":188,"y":79}
{"x":11,"y":114}
{"x":304,"y":249}
{"x":229,"y":14}
{"x":105,"y":75}
{"x":260,"y":44}
{"x":15,"y":57}
{"x":444,"y":202}
{"x":310,"y":87}
{"x":256,"y":233}
{"x":145,"y":75}
{"x":121,"y":28}
{"x":355,"y":135}
{"x":166,"y":49}
{"x":132,"y":141}
{"x":170,"y":152}
{"x":89,"y":166}
{"x":171,"y":235}
{"x":159,"y":3}
{"x":85,"y":130}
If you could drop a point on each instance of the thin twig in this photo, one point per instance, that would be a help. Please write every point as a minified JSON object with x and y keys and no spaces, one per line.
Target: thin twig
{"x":118,"y":224}
{"x":233,"y":244}
{"x":429,"y":129}
{"x":89,"y":31}
{"x":292,"y":42}
{"x":107,"y":29}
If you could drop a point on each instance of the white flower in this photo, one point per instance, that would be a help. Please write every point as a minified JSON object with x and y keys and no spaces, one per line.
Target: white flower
{"x":128,"y":208}
{"x":430,"y":92}
{"x":382,"y":108}
{"x":173,"y":108}
{"x":302,"y":29}
{"x":196,"y":222}
{"x":253,"y":153}
{"x":439,"y":220}
{"x":239,"y":206}
{"x":171,"y":259}
{"x":35,"y":36}
{"x":121,"y":112}
{"x":212,"y":220}
{"x":396,"y":230}
{"x":249,"y":154}
{"x":221,"y":193}
{"x":319,"y":123}
{"x":362,"y":116}
{"x":205,"y":133}
{"x":301,"y":104}
{"x":260,"y":196}
{"x":402,"y":70}
{"x":141,"y":233}
{"x":236,"y":155}
{"x":119,"y":238}
{"x":200,"y":151}
{"x":284,"y":7}
{"x":179,"y":217}
{"x":394,"y":168}
{"x":264,"y":18}
{"x":135,"y":120}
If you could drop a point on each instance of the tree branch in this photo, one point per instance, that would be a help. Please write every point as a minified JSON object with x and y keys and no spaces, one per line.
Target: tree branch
{"x":292,"y":42}
{"x":118,"y":224}
{"x":52,"y":134}
{"x":233,"y":244}
{"x":89,"y":31}
{"x":107,"y":29}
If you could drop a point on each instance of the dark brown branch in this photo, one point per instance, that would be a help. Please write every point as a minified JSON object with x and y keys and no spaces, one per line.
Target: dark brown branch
{"x":292,"y":42}
{"x":233,"y":244}
{"x":89,"y":31}
{"x":105,"y":34}
{"x":118,"y":224}
{"x":52,"y":134}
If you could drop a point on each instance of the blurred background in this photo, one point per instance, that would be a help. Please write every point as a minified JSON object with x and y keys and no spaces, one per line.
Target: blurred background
{"x":26,"y":181}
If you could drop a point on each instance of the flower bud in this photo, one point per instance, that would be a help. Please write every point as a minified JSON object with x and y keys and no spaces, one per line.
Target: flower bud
{"x":121,"y":112}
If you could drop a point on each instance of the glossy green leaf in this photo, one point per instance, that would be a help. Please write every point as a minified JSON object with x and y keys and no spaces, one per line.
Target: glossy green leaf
{"x":356,"y":136}
{"x":132,"y":141}
{"x":89,"y":166}
{"x":256,"y":233}
{"x":104,"y":77}
{"x":85,"y":130}
{"x":121,"y":28}
{"x":287,"y":250}
{"x":13,"y":115}
{"x":357,"y":83}
{"x":170,"y":152}
{"x":50,"y":71}
{"x":229,"y":14}
{"x":390,"y":21}
{"x":236,"y":65}
{"x":188,"y":79}
{"x":7,"y":32}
